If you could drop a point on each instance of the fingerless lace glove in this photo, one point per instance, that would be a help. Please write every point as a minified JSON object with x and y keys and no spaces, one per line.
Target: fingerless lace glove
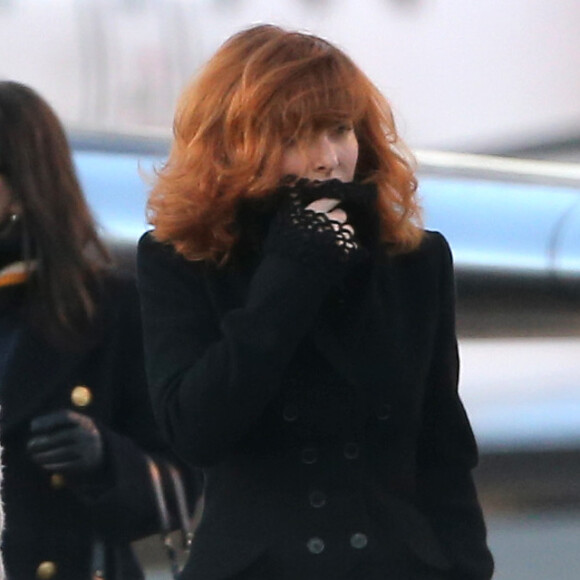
{"x":312,"y":237}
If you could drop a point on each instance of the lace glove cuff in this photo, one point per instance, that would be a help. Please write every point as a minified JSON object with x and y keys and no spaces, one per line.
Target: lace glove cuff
{"x":312,"y":237}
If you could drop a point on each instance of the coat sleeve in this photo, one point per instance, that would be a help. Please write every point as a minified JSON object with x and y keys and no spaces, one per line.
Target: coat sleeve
{"x":447,"y":449}
{"x":123,"y":503}
{"x":212,"y":373}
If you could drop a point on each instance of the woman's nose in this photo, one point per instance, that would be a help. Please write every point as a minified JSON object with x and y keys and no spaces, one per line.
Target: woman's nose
{"x":324,"y":156}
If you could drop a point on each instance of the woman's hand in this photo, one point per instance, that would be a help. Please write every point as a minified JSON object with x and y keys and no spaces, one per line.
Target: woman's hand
{"x":66,"y":441}
{"x":335,"y":214}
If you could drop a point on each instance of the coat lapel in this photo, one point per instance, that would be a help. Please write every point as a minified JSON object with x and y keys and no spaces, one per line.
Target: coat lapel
{"x":357,"y":338}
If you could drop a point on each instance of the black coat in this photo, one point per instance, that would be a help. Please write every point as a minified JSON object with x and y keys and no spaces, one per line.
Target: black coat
{"x":325,"y":414}
{"x":54,"y":520}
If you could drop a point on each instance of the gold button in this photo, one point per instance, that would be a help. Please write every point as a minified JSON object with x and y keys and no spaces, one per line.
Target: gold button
{"x":81,"y":396}
{"x":56,"y":481}
{"x":46,"y":570}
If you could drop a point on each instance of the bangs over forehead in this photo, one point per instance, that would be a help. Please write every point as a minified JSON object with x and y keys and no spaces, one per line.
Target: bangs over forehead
{"x":303,"y":84}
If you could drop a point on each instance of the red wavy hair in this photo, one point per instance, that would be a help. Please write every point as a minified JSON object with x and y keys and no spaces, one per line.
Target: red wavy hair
{"x":264,"y":88}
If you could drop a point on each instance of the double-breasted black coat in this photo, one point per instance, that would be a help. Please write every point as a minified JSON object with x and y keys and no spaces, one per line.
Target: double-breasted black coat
{"x":52,"y":523}
{"x":324,"y":413}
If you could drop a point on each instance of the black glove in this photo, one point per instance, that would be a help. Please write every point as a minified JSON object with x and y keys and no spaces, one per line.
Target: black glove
{"x":300,"y":231}
{"x":66,"y":441}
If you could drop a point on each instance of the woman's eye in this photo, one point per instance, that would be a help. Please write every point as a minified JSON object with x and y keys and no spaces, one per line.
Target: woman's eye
{"x":343,"y":128}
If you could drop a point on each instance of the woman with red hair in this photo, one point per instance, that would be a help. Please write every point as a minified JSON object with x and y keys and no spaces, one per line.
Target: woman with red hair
{"x":299,"y":328}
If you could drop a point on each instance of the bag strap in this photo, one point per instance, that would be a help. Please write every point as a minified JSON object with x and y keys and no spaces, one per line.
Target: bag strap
{"x":99,"y":560}
{"x":184,"y":517}
{"x":164,"y":518}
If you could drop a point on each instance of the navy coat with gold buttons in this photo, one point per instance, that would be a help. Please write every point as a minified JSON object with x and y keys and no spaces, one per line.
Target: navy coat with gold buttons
{"x":326,"y":417}
{"x":52,"y":522}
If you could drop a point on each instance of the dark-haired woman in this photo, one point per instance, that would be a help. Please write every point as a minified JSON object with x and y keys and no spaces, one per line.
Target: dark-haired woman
{"x":299,"y":328}
{"x":79,"y":438}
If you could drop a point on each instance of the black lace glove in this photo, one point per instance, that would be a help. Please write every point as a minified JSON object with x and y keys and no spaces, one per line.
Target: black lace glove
{"x":323,"y":238}
{"x":67,"y":442}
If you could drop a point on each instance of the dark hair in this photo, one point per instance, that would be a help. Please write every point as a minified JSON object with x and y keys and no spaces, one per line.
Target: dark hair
{"x":59,"y":232}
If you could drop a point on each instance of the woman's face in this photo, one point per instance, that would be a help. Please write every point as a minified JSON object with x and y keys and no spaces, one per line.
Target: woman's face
{"x":5,"y":200}
{"x":331,"y":154}
{"x":8,"y":207}
{"x":10,"y":226}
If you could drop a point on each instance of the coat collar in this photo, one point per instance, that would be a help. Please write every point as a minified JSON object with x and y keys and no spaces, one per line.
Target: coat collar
{"x":16,"y":273}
